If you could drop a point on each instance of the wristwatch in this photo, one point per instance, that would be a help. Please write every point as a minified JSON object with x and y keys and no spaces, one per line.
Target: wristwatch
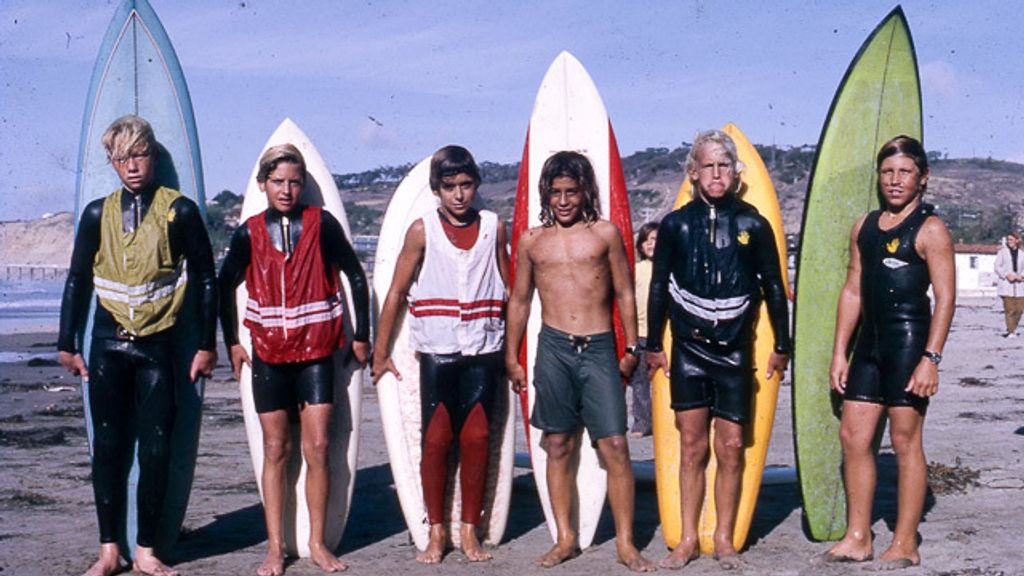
{"x":634,"y":350}
{"x":935,"y":357}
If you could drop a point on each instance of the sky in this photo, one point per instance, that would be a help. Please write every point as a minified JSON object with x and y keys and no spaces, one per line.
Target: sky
{"x":377,"y":83}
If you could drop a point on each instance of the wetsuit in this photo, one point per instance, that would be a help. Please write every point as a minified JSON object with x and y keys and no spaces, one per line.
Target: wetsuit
{"x":457,"y":326}
{"x":296,"y":370}
{"x":713,"y":263}
{"x":131,"y":375}
{"x":896,"y":312}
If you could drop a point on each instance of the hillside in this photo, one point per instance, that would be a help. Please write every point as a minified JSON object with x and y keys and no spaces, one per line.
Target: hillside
{"x":980,"y":199}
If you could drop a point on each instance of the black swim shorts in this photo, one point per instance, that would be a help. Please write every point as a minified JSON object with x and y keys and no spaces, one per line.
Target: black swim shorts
{"x":707,"y":375}
{"x":286,"y":385}
{"x":883,"y":363}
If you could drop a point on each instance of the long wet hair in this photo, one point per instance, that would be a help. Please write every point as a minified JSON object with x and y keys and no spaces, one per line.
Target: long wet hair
{"x":571,"y":165}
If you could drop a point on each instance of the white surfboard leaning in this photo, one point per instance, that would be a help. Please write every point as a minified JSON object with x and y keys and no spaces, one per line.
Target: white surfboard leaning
{"x":400,"y":400}
{"x":320,"y":190}
{"x":568,"y":114}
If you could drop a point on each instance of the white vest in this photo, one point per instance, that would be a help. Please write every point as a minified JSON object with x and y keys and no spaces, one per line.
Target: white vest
{"x":457,"y":302}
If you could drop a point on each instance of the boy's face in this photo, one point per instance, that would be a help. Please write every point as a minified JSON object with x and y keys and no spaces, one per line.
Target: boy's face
{"x":136,"y":170}
{"x":457,"y":193}
{"x":283,"y":186}
{"x":714,"y":174}
{"x":565,"y":200}
{"x":900,"y":181}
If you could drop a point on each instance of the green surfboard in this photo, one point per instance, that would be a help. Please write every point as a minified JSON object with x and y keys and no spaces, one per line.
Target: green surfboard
{"x":879,"y":98}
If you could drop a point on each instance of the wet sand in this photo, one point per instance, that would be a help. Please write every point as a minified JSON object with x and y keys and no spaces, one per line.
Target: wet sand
{"x":974,"y":439}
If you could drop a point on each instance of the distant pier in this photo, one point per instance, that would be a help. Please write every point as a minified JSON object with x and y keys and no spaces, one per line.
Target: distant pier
{"x":31,"y":273}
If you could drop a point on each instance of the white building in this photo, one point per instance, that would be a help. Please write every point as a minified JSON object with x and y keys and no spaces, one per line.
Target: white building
{"x":975,"y":269}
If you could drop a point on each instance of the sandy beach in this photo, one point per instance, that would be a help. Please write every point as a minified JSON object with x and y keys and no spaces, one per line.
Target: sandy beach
{"x":974,"y":439}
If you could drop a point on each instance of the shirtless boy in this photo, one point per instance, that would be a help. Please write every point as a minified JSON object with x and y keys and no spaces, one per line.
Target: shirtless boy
{"x":453,"y":268}
{"x":579,"y":266}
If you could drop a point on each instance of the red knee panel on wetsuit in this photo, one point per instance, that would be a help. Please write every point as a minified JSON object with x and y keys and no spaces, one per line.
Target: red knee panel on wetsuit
{"x":473,"y":453}
{"x":437,"y":441}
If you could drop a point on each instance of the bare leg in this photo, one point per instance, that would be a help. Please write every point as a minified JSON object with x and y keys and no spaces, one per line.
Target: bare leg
{"x":906,"y":429}
{"x":109,"y":562}
{"x":857,"y":432}
{"x":470,"y":544}
{"x":614,"y":452}
{"x":276,"y":447}
{"x":693,"y":449}
{"x":435,"y":547}
{"x":315,"y":419}
{"x":147,"y":563}
{"x":561,"y":482}
{"x":729,"y":457}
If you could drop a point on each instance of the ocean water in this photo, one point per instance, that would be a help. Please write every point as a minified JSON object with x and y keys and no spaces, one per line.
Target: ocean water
{"x":29,"y":307}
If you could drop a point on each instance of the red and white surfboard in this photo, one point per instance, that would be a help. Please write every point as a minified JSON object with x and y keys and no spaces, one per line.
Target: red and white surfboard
{"x":568,"y":114}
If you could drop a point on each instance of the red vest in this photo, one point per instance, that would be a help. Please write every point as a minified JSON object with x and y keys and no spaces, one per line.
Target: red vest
{"x":294,"y":310}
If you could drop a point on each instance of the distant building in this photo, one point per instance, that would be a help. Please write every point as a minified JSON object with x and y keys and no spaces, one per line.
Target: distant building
{"x":975,"y":269}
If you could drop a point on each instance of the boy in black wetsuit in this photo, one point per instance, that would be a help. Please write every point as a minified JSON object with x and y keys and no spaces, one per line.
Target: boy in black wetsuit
{"x":895,"y":254}
{"x":714,"y":260}
{"x":136,"y":262}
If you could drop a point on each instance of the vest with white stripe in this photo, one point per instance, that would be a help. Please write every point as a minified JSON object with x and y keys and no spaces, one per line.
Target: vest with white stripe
{"x":457,"y":302}
{"x":136,"y":276}
{"x":294,"y":311}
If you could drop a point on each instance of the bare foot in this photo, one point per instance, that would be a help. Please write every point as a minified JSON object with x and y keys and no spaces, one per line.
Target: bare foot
{"x":108,"y":563}
{"x":685,"y":552}
{"x":850,"y":549}
{"x":899,"y":556}
{"x":470,"y":544}
{"x":147,"y":563}
{"x":559,"y":553}
{"x":435,"y":547}
{"x":323,"y":558}
{"x":729,"y":561}
{"x":273,"y":562}
{"x":631,"y":558}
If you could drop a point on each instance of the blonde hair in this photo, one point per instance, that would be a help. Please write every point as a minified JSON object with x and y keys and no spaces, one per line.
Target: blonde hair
{"x":714,"y":137}
{"x":126,"y":135}
{"x":275,"y":155}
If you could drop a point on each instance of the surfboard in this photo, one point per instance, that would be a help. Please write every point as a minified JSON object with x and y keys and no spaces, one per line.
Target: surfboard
{"x":568,"y":114}
{"x":320,"y":190}
{"x":760,"y":192}
{"x":137,"y":72}
{"x":879,"y":98}
{"x":400,"y":400}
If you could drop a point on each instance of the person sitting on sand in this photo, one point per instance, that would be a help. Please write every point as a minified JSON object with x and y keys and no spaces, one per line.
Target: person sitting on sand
{"x":715,"y":260}
{"x":139,"y":240}
{"x":896,"y":253}
{"x":289,"y":256}
{"x":579,"y":266}
{"x":453,"y":269}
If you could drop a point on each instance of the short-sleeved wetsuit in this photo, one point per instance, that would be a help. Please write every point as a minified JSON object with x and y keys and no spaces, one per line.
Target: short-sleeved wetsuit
{"x":713,"y":263}
{"x":896,"y":312}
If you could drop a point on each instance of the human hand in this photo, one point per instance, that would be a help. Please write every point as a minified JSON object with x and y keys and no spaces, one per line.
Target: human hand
{"x":73,"y":363}
{"x":382,"y":365}
{"x":924,"y":382}
{"x":516,"y":375}
{"x":656,"y":361}
{"x":203,"y":364}
{"x":361,"y":350}
{"x":238,"y":357}
{"x":777,"y":363}
{"x":838,"y":373}
{"x":628,"y":364}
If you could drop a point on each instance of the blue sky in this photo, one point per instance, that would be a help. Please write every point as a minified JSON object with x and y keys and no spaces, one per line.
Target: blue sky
{"x":463,"y":72}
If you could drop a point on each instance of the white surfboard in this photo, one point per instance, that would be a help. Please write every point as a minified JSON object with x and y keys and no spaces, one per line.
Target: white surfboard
{"x":400,"y":401}
{"x":568,"y":114}
{"x":319,"y":190}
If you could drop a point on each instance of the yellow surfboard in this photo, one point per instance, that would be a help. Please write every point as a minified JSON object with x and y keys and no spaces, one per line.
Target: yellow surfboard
{"x":761,"y":193}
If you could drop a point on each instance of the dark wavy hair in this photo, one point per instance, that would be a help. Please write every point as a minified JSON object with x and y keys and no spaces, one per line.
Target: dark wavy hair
{"x":645,"y":231}
{"x":571,"y":165}
{"x":449,"y":161}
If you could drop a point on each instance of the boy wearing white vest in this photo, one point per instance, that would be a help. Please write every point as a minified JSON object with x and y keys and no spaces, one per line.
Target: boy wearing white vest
{"x":453,"y":271}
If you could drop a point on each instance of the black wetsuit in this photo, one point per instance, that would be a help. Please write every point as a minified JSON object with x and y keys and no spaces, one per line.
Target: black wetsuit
{"x":286,"y":385}
{"x":713,"y":263}
{"x":895,"y":312}
{"x":129,"y":375}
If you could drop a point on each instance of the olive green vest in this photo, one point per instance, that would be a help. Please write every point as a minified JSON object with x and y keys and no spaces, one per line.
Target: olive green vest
{"x":137,"y":279}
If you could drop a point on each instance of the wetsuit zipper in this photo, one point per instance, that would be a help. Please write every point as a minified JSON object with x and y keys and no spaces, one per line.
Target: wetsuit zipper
{"x":286,"y":245}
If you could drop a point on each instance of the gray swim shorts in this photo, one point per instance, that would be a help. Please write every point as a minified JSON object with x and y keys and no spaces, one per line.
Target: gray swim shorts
{"x":577,"y":383}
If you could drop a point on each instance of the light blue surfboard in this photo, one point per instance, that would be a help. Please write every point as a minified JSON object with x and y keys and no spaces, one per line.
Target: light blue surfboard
{"x":137,"y":72}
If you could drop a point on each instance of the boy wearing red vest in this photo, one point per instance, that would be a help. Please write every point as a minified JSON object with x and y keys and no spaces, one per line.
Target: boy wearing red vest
{"x":289,"y":256}
{"x":453,"y":269}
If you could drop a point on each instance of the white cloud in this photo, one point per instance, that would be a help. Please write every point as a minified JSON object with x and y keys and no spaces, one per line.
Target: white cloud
{"x":941,"y":79}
